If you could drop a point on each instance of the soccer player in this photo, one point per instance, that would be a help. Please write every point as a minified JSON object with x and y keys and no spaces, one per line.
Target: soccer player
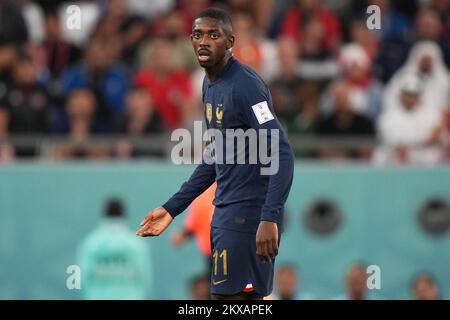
{"x":247,"y":221}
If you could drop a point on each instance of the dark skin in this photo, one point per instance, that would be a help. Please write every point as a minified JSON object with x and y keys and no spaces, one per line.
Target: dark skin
{"x":212,"y":41}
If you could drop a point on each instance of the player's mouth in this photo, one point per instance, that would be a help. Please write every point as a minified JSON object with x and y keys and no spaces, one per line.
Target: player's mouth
{"x":203,"y":55}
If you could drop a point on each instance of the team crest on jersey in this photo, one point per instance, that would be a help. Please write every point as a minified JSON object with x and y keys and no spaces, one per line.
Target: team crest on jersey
{"x":219,"y":115}
{"x":209,"y":112}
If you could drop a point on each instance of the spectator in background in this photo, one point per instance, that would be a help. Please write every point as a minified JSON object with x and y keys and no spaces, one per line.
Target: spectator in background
{"x":443,"y":133}
{"x":100,"y":73}
{"x":8,"y":59}
{"x":126,"y":29}
{"x":188,"y":10}
{"x":7,"y":153}
{"x":316,"y":28}
{"x":396,"y":25}
{"x":4,"y":122}
{"x":140,"y":120}
{"x":8,"y":56}
{"x":429,"y":27}
{"x":287,"y":284}
{"x":114,"y":263}
{"x":170,"y":86}
{"x":407,"y":128}
{"x":140,"y":117}
{"x":425,"y":62}
{"x":260,"y":10}
{"x":317,"y":32}
{"x":150,"y":10}
{"x":133,"y":34}
{"x":344,"y":121}
{"x":285,"y":86}
{"x":249,"y":48}
{"x":24,"y":104}
{"x":200,"y":288}
{"x":366,"y":38}
{"x":172,"y":29}
{"x":13,"y":28}
{"x":394,"y":38}
{"x":425,"y":287}
{"x":356,"y":284}
{"x":442,"y":7}
{"x":59,"y":54}
{"x":81,"y":107}
{"x":27,"y":102}
{"x":366,"y":91}
{"x":33,"y":15}
{"x":305,"y":122}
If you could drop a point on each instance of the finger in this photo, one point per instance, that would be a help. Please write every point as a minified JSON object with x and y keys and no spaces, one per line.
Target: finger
{"x":152,"y":233}
{"x":275,"y":247}
{"x":140,"y":232}
{"x":259,"y":251}
{"x":263,"y":251}
{"x":269,"y":251}
{"x":144,"y":229}
{"x":147,"y":218}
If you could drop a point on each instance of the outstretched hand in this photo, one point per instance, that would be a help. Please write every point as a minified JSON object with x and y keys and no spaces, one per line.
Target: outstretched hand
{"x":155,"y":223}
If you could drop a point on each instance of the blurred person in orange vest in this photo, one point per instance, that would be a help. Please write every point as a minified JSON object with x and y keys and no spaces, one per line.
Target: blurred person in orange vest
{"x":198,"y":222}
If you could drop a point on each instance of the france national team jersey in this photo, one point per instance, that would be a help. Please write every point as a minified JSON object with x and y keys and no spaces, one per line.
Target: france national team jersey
{"x":239,"y":99}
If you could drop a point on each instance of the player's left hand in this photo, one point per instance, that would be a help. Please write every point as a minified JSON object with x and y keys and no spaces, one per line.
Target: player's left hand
{"x":267,"y":241}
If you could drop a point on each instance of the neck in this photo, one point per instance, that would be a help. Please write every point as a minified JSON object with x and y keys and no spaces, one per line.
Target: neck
{"x":214,"y":71}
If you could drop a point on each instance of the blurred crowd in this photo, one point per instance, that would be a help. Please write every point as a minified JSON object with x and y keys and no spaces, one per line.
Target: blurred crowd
{"x":289,"y":286}
{"x":129,"y":71}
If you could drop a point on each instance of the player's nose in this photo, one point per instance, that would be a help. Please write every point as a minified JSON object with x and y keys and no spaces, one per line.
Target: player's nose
{"x":204,"y":41}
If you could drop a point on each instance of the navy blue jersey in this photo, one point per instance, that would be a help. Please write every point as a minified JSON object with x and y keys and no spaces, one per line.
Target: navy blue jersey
{"x":239,"y":99}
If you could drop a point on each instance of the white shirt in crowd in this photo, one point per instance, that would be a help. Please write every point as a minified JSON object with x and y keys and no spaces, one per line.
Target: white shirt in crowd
{"x":411,"y":129}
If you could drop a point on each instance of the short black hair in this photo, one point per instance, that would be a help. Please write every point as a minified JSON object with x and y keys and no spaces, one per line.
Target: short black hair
{"x":114,"y":208}
{"x":216,"y":13}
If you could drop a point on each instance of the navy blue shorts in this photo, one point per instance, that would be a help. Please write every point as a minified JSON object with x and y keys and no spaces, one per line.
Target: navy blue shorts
{"x":235,"y":267}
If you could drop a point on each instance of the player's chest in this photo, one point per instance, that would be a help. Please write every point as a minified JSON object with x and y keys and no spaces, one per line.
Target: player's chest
{"x":220,"y":111}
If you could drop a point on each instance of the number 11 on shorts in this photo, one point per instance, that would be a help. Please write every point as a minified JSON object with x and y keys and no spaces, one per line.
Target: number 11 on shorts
{"x":223,"y":256}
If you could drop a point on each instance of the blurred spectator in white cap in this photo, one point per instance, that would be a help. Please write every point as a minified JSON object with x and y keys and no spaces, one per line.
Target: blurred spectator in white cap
{"x":407,"y":128}
{"x":425,"y":62}
{"x":365,"y":90}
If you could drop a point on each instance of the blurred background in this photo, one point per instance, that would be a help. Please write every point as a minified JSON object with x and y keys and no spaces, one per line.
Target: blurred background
{"x":86,"y":115}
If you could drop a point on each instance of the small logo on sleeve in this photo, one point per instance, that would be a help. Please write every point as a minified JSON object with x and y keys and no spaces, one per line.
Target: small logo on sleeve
{"x":262,"y":112}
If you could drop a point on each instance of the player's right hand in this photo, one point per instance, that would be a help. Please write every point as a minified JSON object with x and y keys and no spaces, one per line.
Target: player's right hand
{"x":155,"y":223}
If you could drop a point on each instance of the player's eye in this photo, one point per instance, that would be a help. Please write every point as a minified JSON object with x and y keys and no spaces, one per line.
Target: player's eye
{"x":196,"y":36}
{"x":214,"y":36}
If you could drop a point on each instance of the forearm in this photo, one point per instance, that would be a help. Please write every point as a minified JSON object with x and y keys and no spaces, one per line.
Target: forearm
{"x":279,"y":184}
{"x":203,"y":177}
